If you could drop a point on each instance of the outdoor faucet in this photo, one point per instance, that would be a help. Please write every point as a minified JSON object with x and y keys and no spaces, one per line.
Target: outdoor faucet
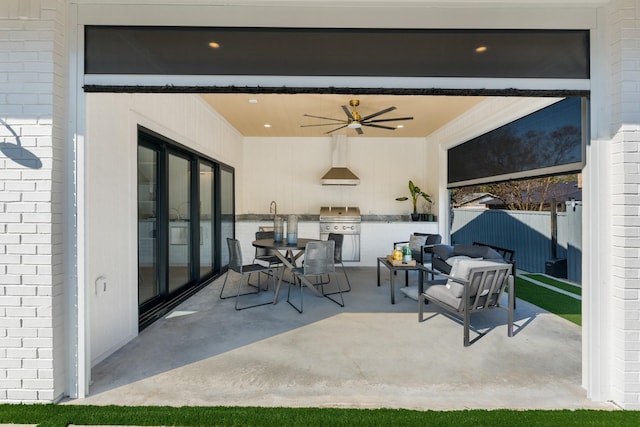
{"x":273,"y":208}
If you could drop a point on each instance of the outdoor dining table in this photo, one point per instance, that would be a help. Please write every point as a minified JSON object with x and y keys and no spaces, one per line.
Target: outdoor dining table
{"x":288,"y":258}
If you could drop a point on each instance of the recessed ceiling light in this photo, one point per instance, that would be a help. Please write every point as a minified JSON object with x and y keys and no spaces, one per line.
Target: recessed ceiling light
{"x":214,"y":45}
{"x":253,"y":101}
{"x":399,"y":126}
{"x":481,"y":49}
{"x":267,"y":125}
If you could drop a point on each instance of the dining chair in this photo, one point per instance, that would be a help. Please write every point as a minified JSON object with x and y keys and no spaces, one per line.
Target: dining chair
{"x":319,"y":261}
{"x":235,"y":264}
{"x":339,"y":239}
{"x":266,"y":255}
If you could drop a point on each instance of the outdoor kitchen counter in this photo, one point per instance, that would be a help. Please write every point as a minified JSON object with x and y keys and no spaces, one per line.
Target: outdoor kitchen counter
{"x":378,"y":232}
{"x":268,"y":218}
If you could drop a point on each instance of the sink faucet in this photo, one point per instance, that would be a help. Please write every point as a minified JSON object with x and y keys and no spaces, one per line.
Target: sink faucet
{"x":273,"y":208}
{"x":177,"y":211}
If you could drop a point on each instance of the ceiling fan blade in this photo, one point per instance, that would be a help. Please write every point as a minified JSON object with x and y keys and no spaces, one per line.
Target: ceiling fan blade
{"x":386,"y":110}
{"x":324,"y":124}
{"x":378,"y":126}
{"x":359,"y":131}
{"x":325,"y":118}
{"x":333,"y":130}
{"x":390,"y":120}
{"x":337,"y":122}
{"x":347,"y":112}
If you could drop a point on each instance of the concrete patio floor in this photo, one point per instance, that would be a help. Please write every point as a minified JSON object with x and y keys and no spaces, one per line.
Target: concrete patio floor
{"x":369,"y":354}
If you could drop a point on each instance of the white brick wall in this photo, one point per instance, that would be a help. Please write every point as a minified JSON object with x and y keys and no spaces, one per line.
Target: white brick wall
{"x":32,"y":46}
{"x":624,"y":58}
{"x":33,"y":282}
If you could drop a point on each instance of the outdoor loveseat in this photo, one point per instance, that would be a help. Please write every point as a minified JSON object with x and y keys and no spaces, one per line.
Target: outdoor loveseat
{"x":444,"y":256}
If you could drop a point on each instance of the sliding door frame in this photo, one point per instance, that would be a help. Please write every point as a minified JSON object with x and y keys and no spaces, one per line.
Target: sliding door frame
{"x":165,"y":300}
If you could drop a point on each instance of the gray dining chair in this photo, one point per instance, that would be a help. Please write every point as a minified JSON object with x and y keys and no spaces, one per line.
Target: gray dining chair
{"x":266,"y":255}
{"x":319,"y":261}
{"x":337,"y":258}
{"x":235,"y":265}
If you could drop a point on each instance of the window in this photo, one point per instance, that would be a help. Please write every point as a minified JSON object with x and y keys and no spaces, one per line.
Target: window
{"x":547,"y":142}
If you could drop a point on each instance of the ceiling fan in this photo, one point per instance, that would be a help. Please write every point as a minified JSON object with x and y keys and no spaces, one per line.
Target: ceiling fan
{"x":355,"y":121}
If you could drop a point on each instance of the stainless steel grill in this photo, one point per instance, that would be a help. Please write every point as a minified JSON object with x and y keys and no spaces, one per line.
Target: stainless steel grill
{"x":342,"y":220}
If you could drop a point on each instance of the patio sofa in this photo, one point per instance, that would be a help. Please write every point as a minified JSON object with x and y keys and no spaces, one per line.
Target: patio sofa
{"x":444,"y":256}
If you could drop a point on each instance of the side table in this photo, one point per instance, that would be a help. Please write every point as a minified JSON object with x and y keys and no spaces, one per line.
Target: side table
{"x":402,"y":267}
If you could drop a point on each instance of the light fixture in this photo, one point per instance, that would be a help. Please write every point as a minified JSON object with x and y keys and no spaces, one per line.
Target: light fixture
{"x":399,"y":126}
{"x":481,"y":49}
{"x":354,"y":123}
{"x":214,"y":45}
{"x":253,"y":101}
{"x":267,"y":125}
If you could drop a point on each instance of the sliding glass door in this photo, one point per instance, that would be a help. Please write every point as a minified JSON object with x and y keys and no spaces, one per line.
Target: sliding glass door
{"x":227,"y":212}
{"x":184,"y":201}
{"x":179,"y":203}
{"x":148,"y":281}
{"x":206,"y":216}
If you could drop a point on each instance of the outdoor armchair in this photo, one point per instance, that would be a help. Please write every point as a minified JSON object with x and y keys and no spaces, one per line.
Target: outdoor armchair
{"x":472,"y":286}
{"x":421,"y":245}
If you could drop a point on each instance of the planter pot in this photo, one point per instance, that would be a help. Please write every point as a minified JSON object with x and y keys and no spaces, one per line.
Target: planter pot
{"x":424,"y":217}
{"x":415,"y":216}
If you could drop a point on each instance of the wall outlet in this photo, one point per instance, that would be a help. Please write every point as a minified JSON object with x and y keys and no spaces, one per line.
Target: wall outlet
{"x":100,"y":285}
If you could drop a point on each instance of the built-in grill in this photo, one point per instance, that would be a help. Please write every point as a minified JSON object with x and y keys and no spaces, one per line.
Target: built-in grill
{"x":342,"y":220}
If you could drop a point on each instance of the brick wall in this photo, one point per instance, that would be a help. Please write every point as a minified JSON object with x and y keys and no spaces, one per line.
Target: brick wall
{"x":624,"y":60}
{"x":32,"y":92}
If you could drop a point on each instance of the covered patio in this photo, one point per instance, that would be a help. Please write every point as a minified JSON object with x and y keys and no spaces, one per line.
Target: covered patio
{"x":369,"y":354}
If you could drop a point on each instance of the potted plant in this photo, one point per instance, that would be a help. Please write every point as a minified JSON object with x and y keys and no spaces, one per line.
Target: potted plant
{"x":427,"y":216}
{"x":415,"y":193}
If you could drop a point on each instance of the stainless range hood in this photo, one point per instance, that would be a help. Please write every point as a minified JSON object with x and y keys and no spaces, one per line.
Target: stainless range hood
{"x":339,"y":174}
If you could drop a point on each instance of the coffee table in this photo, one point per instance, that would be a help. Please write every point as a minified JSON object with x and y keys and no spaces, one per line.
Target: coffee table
{"x":421,"y":269}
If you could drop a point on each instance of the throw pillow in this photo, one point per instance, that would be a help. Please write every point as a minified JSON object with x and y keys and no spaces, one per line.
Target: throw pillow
{"x":461,"y":269}
{"x":455,"y":259}
{"x":456,"y":288}
{"x":415,"y":242}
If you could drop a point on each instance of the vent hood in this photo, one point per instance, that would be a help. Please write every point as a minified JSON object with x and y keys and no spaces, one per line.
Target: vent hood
{"x":339,"y":174}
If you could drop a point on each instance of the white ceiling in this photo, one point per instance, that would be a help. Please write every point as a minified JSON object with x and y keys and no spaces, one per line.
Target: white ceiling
{"x":285,"y":113}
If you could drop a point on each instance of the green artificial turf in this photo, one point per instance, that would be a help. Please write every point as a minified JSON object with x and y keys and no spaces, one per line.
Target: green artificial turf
{"x":574,"y":289}
{"x":554,"y":302}
{"x":63,"y":415}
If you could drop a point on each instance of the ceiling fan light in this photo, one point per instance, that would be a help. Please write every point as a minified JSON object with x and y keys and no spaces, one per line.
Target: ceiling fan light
{"x":354,"y":125}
